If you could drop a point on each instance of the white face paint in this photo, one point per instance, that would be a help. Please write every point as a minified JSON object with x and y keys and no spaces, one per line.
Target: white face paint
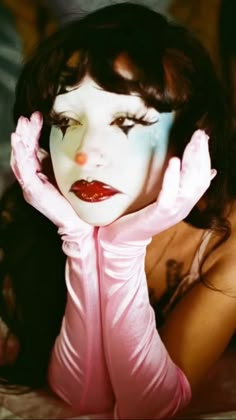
{"x":105,"y":161}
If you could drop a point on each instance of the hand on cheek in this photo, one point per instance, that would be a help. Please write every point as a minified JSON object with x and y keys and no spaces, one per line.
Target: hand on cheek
{"x":37,"y":190}
{"x":183,"y":185}
{"x":135,"y":354}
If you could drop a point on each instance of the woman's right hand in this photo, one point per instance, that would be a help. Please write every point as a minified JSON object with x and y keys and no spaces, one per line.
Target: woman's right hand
{"x":77,"y":369}
{"x":37,"y":189}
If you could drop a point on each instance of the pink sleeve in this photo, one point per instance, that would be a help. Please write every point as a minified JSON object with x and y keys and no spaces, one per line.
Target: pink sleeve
{"x":146,"y":382}
{"x":77,"y":371}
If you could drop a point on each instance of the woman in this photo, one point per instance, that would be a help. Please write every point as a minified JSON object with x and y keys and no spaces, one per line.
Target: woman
{"x":115,"y":109}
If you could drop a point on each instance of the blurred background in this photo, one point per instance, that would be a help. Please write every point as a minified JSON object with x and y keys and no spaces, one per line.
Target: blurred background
{"x":23,"y":24}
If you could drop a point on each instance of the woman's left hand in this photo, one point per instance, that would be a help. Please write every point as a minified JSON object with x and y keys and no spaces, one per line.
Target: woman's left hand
{"x":139,"y":365}
{"x":184,"y":184}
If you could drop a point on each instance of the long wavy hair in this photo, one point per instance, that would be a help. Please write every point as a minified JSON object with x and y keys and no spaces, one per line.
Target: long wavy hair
{"x":171,"y":72}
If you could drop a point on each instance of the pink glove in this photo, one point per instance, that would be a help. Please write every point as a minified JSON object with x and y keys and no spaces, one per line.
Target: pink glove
{"x":77,"y":372}
{"x":146,"y":382}
{"x":183,"y":185}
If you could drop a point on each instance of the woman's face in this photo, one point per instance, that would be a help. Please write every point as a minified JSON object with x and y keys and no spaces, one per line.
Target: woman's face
{"x":108,"y":150}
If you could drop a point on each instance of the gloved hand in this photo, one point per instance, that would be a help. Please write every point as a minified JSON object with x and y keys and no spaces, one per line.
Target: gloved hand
{"x":183,"y":185}
{"x":77,"y":372}
{"x":146,"y":382}
{"x":37,"y":190}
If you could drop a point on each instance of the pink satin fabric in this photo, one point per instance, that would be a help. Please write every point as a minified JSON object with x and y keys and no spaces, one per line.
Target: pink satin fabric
{"x":78,"y":371}
{"x":146,"y":383}
{"x":109,"y":360}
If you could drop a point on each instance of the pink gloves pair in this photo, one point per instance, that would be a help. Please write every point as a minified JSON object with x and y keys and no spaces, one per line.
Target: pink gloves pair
{"x":109,"y":359}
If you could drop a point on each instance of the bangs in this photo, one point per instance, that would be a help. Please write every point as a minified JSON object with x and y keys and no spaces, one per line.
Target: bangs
{"x":129,"y":49}
{"x":162,"y":74}
{"x":162,"y":59}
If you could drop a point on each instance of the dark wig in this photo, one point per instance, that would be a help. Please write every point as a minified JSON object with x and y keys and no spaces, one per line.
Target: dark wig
{"x":171,"y":72}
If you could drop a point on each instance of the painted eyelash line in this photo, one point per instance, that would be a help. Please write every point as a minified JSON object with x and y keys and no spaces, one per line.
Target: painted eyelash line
{"x":137,"y":119}
{"x":134,"y":119}
{"x":56,"y":119}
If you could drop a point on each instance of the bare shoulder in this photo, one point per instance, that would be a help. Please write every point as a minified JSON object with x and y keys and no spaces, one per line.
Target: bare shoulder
{"x":199,"y":328}
{"x":220,"y":266}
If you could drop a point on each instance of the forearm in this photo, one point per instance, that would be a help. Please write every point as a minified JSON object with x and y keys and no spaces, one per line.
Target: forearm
{"x":78,"y":371}
{"x":147,"y":384}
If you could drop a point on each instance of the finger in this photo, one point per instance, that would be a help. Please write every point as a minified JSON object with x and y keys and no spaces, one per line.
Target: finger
{"x":36,"y":122}
{"x":28,"y":133}
{"x":19,"y":126}
{"x":170,"y":184}
{"x":23,"y":155}
{"x":24,"y":163}
{"x":203,"y":160}
{"x":196,"y":166}
{"x":13,"y":159}
{"x":19,"y":162}
{"x":29,"y":130}
{"x":23,"y":132}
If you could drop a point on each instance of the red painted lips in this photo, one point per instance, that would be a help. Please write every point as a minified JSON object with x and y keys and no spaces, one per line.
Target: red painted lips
{"x":93,"y":191}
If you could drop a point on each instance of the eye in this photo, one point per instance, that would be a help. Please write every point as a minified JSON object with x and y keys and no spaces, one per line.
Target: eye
{"x":125,"y":123}
{"x":63,"y":122}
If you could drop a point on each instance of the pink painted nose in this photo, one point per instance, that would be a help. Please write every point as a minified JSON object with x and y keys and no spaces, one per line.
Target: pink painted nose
{"x":81,"y":158}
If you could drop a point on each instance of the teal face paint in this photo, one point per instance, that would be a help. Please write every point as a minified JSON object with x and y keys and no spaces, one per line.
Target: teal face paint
{"x":124,"y":147}
{"x":154,"y":138}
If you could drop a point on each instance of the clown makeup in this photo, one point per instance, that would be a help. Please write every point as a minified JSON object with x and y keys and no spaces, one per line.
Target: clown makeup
{"x":108,"y":151}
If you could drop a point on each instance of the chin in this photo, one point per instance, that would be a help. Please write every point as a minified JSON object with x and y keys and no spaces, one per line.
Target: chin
{"x":103,"y":213}
{"x":97,"y":221}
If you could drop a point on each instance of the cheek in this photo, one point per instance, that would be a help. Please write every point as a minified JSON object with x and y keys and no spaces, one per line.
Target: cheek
{"x":160,"y":133}
{"x":155,"y":151}
{"x":55,"y":142}
{"x":150,"y":144}
{"x":160,"y":143}
{"x":63,"y":147}
{"x":61,"y":157}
